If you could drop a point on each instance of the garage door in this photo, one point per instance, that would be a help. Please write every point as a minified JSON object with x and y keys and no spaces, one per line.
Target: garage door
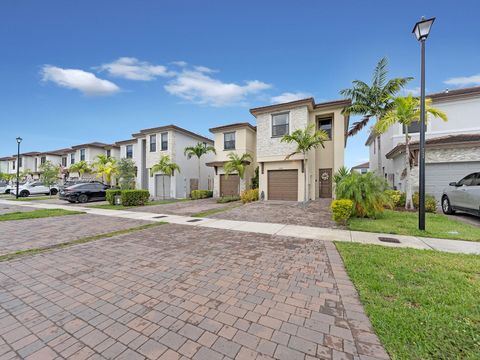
{"x":438,"y":176}
{"x":283,"y":185}
{"x":162,"y":182}
{"x":229,"y":186}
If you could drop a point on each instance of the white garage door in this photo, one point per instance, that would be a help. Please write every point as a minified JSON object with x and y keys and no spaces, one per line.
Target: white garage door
{"x":438,"y":176}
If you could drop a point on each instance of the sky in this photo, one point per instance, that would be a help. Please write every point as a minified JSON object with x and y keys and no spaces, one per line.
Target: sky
{"x":99,"y":70}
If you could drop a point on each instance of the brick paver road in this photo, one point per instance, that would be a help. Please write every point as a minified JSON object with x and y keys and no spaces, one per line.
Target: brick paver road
{"x":175,"y":291}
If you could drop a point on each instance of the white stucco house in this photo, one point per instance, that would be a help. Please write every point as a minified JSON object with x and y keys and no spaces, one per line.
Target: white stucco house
{"x":452,"y":147}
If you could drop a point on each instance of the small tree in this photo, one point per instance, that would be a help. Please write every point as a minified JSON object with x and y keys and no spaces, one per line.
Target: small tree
{"x":166,"y":167}
{"x":127,"y":172}
{"x":80,"y":167}
{"x":306,"y":140}
{"x":237,"y":164}
{"x":105,"y":167}
{"x":198,"y":150}
{"x":49,"y":174}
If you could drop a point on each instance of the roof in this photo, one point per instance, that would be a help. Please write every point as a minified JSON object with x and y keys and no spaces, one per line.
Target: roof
{"x":171,"y":127}
{"x":92,"y":144}
{"x":124,"y":142}
{"x":6,"y":158}
{"x":221,"y":163}
{"x":59,"y":152}
{"x":365,"y":165}
{"x":310,"y":102}
{"x":233,"y":126}
{"x":460,"y":140}
{"x":31,"y":153}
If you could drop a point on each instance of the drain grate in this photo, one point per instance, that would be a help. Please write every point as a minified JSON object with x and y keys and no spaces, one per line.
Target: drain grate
{"x":194,"y":220}
{"x":159,"y":217}
{"x":389,"y":240}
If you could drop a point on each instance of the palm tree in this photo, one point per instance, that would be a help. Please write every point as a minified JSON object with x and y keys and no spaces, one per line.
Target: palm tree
{"x":106,"y":170}
{"x":237,"y":164}
{"x":80,"y":167}
{"x":306,"y":140}
{"x":165,"y":166}
{"x":406,"y":112}
{"x":374,"y":100}
{"x":198,"y":150}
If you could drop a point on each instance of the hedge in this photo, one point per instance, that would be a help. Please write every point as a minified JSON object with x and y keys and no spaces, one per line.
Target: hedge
{"x":110,"y":195}
{"x":430,"y":202}
{"x":201,"y":194}
{"x":134,"y":197}
{"x":342,"y":210}
{"x":249,"y":195}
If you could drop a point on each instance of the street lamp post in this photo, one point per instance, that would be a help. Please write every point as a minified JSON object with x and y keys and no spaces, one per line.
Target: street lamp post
{"x":421,"y":31}
{"x":19,"y":140}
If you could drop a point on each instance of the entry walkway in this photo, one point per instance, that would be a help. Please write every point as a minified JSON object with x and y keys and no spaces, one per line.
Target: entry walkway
{"x":305,"y":232}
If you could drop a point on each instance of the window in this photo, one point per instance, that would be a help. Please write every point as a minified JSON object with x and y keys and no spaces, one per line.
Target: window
{"x":468,"y":180}
{"x":229,"y":141}
{"x":164,"y":140}
{"x":129,"y":151}
{"x":476,"y":181}
{"x":82,"y":154}
{"x":13,"y":164}
{"x":279,"y":124}
{"x":43,"y":159}
{"x":72,"y":159}
{"x":326,"y":125}
{"x":20,"y":162}
{"x":413,"y":128}
{"x":109,"y":153}
{"x":64,"y":161}
{"x":153,"y":143}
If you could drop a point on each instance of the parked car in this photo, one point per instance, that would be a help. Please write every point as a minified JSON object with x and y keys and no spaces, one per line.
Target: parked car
{"x":463,"y":195}
{"x":83,"y":193}
{"x":12,"y":187}
{"x":69,"y":183}
{"x":3,"y":187}
{"x":34,"y":188}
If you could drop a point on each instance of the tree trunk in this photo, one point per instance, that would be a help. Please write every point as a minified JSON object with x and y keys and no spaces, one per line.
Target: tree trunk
{"x":304,"y":179}
{"x":379,"y":151}
{"x":408,"y":181}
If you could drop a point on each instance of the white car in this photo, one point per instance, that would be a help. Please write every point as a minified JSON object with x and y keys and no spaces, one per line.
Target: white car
{"x":34,"y":188}
{"x":3,"y":187}
{"x":463,"y":196}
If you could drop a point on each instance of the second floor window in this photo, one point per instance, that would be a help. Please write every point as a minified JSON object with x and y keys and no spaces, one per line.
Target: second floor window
{"x":164,"y":139}
{"x":72,"y":159}
{"x":153,"y":143}
{"x":109,"y":153}
{"x":326,"y":125}
{"x":279,"y":125}
{"x":13,"y":164}
{"x":229,"y":141}
{"x":82,"y":154}
{"x":43,"y":159}
{"x":414,"y":127}
{"x":20,"y":162}
{"x":129,"y":151}
{"x":64,"y":161}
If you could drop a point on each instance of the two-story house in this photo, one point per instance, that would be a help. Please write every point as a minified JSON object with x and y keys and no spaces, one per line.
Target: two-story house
{"x":283,"y":179}
{"x":89,"y":152}
{"x":127,"y":148}
{"x":238,"y":138}
{"x":25,"y":164}
{"x":5,"y":164}
{"x":169,"y":140}
{"x":452,"y":147}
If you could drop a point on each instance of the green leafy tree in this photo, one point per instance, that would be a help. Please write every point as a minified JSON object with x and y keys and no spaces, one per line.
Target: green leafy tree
{"x":198,"y":150}
{"x":80,"y":167}
{"x":166,"y":167}
{"x":105,"y":167}
{"x":305,"y":139}
{"x":341,"y":174}
{"x":405,"y":112}
{"x":373,"y":100}
{"x":126,"y":173}
{"x":255,"y":179}
{"x":24,"y":174}
{"x":49,"y":174}
{"x":237,"y":164}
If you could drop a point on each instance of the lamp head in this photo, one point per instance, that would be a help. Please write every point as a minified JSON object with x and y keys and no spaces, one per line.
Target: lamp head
{"x":19,"y":140}
{"x":422,"y":28}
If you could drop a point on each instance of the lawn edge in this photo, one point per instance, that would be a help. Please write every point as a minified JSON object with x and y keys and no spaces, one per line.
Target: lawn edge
{"x":28,"y":214}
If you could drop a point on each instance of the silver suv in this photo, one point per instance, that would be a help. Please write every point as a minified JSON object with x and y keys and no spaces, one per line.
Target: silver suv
{"x":463,"y":195}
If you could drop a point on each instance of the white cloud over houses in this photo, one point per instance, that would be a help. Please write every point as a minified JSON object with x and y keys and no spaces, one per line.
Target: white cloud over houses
{"x":289,"y":96}
{"x":200,"y":87}
{"x":83,"y":81}
{"x":133,"y":69}
{"x":464,"y":80}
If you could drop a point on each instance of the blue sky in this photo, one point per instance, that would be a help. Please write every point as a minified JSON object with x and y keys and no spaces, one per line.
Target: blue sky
{"x":80,"y":71}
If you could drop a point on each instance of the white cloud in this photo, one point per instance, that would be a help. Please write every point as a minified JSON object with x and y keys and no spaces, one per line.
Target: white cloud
{"x":196,"y":86}
{"x":289,"y":96}
{"x":413,"y":91}
{"x":80,"y":80}
{"x":463,"y":81}
{"x":133,"y":69}
{"x":180,"y":63}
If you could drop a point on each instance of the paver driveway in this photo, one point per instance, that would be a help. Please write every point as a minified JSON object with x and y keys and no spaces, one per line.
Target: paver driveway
{"x":185,"y":208}
{"x":178,"y":291}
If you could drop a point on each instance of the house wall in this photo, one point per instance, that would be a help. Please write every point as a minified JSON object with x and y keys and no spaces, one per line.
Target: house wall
{"x":123,"y":151}
{"x":4,"y":166}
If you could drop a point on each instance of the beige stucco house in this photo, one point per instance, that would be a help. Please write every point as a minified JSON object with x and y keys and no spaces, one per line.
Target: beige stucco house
{"x":281,"y":179}
{"x":238,"y":138}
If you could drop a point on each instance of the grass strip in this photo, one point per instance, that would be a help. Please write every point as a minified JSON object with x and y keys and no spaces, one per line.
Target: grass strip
{"x":34,"y":198}
{"x":83,"y":240}
{"x":207,"y":213}
{"x":37,"y":214}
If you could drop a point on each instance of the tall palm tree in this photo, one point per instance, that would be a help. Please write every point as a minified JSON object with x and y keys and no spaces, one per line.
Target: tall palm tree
{"x":165,"y":166}
{"x":80,"y":167}
{"x":237,"y":164}
{"x":105,"y":167}
{"x":405,"y":112}
{"x":198,"y":150}
{"x":306,"y":140}
{"x":373,"y":100}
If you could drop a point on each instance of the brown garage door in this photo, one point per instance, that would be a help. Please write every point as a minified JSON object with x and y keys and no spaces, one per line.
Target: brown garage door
{"x":229,"y":186}
{"x":283,"y":185}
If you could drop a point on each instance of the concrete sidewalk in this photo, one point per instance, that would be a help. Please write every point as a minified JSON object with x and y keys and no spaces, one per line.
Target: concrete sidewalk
{"x":305,"y":232}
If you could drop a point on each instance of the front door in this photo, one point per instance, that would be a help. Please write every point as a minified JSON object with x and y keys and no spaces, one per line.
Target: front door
{"x":325,"y":183}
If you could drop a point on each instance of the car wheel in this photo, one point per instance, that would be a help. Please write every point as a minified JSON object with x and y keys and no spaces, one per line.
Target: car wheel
{"x":7,"y":191}
{"x":53,"y":192}
{"x":24,"y":193}
{"x":82,"y":198}
{"x":446,"y":207}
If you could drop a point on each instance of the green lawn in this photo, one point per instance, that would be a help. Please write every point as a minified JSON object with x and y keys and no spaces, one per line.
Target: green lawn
{"x":406,"y":223}
{"x":423,"y":304}
{"x":121,"y":207}
{"x":33,"y":198}
{"x":36,"y":214}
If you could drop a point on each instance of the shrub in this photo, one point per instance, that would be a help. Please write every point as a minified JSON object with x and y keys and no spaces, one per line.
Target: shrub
{"x":201,"y":194}
{"x":367,"y":191}
{"x":110,"y":195}
{"x":430,"y":202}
{"x":249,"y":195}
{"x":395,"y":196}
{"x":342,"y":210}
{"x":227,"y":199}
{"x":134,"y":197}
{"x":403,"y":199}
{"x":126,"y":173}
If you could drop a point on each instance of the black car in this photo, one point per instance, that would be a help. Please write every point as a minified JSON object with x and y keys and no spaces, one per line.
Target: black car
{"x":69,"y":183}
{"x":83,"y":193}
